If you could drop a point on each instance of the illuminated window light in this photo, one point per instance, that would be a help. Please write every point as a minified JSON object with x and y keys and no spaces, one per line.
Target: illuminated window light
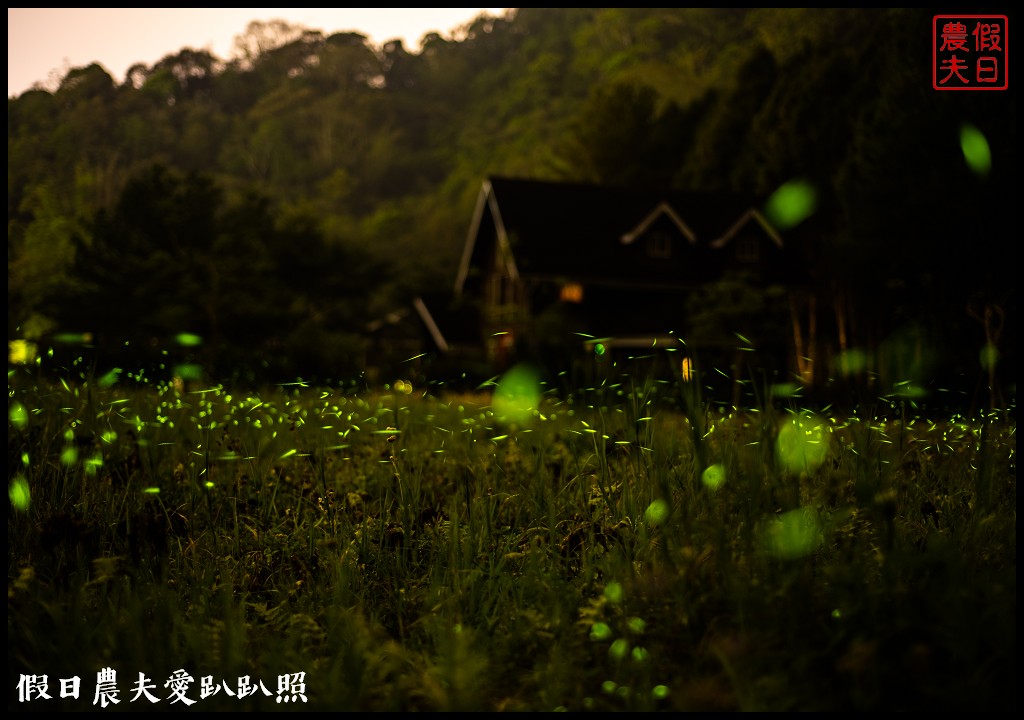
{"x":572,"y":292}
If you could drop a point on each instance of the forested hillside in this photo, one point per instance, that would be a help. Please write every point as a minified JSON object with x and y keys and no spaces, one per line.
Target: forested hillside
{"x":276,"y":202}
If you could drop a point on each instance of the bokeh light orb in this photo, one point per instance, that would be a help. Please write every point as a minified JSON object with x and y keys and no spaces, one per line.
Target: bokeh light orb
{"x":851,"y":362}
{"x":656,"y":513}
{"x":713,"y":477}
{"x":976,"y":150}
{"x":17,"y":414}
{"x":989,"y":356}
{"x":802,"y":443}
{"x":18,"y":493}
{"x":793,"y":534}
{"x":791,"y":204}
{"x":517,"y":396}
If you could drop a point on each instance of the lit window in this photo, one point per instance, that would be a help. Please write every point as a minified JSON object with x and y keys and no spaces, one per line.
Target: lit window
{"x":572,"y":292}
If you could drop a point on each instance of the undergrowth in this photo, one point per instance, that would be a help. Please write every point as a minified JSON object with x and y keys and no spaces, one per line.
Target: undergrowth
{"x":629,"y":547}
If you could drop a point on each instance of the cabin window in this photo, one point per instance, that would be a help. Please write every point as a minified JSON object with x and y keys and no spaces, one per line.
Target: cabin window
{"x":659,"y":245}
{"x":748,"y":250}
{"x":572,"y":292}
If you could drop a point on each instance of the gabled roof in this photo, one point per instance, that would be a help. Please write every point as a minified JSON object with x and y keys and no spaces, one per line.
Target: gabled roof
{"x":751,"y":215}
{"x":663,"y":209}
{"x":588,"y":233}
{"x":443,"y":321}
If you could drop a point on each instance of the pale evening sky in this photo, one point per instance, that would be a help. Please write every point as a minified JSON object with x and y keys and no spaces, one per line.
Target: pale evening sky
{"x":42,"y":41}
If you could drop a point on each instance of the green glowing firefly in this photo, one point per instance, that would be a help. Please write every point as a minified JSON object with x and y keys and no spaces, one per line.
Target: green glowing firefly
{"x":618,"y":649}
{"x":656,"y":513}
{"x":517,"y":395}
{"x":614,"y":593}
{"x":18,"y":493}
{"x":713,"y":477}
{"x":989,"y":356}
{"x":794,"y":534}
{"x":851,"y":362}
{"x":109,"y":378}
{"x":18,"y":415}
{"x":600,"y":631}
{"x":976,"y":150}
{"x":188,"y":371}
{"x":802,"y":443}
{"x":791,"y":204}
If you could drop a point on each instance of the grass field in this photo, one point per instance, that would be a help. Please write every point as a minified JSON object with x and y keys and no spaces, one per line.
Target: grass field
{"x":627,"y":547}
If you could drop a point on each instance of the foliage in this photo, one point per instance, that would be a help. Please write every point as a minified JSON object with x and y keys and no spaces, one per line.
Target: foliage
{"x":628,"y":546}
{"x":177,"y":256}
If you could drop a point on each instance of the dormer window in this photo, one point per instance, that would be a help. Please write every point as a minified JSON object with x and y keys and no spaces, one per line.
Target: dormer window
{"x":748,"y":250}
{"x":659,"y":245}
